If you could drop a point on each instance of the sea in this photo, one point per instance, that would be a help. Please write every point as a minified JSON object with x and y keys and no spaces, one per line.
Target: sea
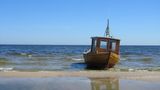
{"x":70,"y":58}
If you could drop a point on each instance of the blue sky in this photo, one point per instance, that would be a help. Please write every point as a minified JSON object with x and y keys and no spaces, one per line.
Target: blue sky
{"x":135,"y":22}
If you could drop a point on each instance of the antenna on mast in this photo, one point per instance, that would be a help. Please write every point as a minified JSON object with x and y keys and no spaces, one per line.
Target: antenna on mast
{"x":107,"y":29}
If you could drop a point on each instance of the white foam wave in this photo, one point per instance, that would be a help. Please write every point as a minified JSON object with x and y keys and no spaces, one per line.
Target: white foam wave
{"x":6,"y":69}
{"x":123,"y":59}
{"x":77,"y":59}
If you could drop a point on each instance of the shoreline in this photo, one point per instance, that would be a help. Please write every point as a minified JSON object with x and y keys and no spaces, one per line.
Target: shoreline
{"x":143,"y":75}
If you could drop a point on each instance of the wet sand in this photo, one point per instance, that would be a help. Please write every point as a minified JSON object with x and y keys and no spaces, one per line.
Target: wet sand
{"x":138,"y":75}
{"x":79,"y":80}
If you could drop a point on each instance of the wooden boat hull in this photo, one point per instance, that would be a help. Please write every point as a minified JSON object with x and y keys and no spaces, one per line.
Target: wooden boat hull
{"x":101,"y":59}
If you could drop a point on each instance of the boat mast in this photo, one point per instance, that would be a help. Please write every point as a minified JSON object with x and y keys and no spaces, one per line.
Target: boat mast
{"x":107,"y":30}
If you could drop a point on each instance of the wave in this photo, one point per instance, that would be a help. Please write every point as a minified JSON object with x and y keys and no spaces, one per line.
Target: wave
{"x":20,"y":54}
{"x":146,"y":59}
{"x":77,"y":59}
{"x":6,"y":69}
{"x":4,"y":61}
{"x":123,"y":58}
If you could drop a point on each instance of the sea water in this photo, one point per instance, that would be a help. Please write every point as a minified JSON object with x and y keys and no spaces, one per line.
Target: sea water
{"x":70,"y":57}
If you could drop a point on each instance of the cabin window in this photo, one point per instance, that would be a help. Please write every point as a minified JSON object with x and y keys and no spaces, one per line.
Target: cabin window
{"x":103,"y":44}
{"x":93,"y":47}
{"x":113,"y":46}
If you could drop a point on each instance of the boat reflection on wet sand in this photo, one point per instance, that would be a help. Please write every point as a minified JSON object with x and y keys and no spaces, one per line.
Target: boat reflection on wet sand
{"x":104,"y":84}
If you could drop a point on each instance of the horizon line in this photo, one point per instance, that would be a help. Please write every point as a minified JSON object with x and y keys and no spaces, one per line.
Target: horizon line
{"x":76,"y":44}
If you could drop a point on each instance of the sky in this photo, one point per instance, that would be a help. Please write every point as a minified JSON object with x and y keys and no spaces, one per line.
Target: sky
{"x":73,"y":22}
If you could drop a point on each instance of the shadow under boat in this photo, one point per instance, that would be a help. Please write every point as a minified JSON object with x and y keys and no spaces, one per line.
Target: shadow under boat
{"x":84,"y":66}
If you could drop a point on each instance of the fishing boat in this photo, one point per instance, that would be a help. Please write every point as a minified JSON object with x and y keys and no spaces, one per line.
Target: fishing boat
{"x":104,"y":51}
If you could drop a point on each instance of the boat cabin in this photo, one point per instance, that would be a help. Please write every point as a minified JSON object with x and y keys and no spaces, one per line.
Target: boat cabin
{"x":104,"y":44}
